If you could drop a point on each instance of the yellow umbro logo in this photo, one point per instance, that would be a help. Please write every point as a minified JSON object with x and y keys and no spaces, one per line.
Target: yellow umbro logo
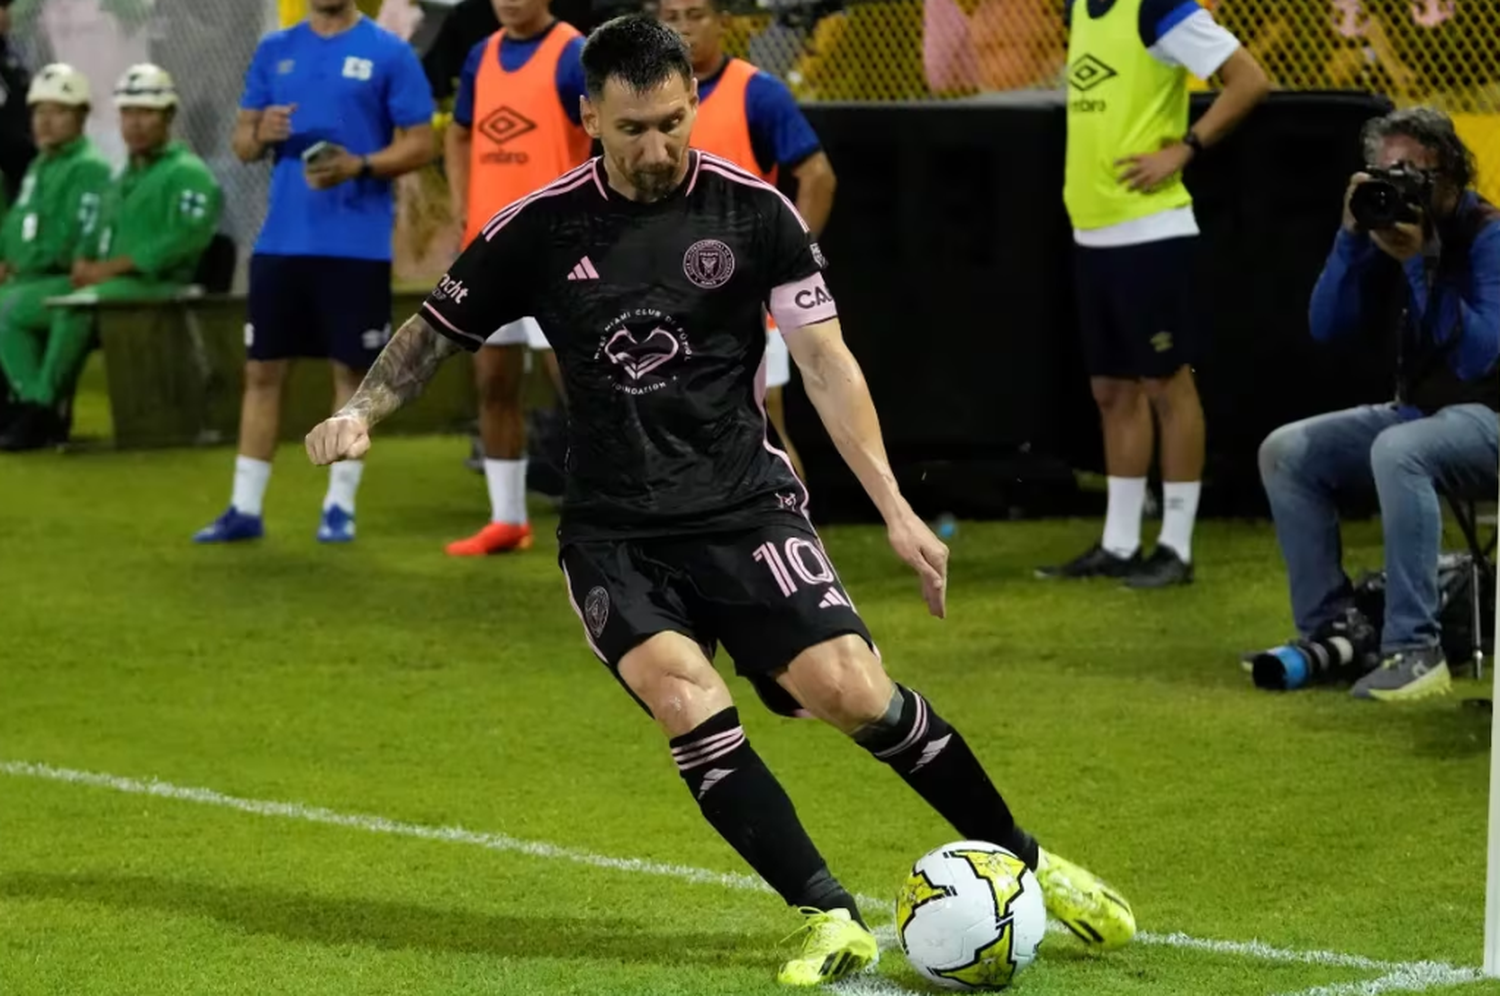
{"x":1161,"y":342}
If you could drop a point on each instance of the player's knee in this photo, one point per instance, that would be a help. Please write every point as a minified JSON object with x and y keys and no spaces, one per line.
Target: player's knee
{"x":1114,"y":394}
{"x":679,"y":691}
{"x":1171,"y":394}
{"x":264,"y":376}
{"x":846,"y":687}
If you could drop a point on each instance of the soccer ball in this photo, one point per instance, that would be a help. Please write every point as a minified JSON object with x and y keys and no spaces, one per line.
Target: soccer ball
{"x":970,"y":916}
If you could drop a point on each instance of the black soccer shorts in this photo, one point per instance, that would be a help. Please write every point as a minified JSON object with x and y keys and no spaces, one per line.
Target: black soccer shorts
{"x":766,"y":593}
{"x":318,"y":306}
{"x":1137,"y":308}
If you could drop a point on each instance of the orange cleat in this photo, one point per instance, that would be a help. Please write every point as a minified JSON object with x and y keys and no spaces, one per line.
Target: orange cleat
{"x":497,"y":537}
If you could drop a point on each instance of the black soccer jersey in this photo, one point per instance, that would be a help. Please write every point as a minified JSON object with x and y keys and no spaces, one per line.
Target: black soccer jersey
{"x":656,"y":313}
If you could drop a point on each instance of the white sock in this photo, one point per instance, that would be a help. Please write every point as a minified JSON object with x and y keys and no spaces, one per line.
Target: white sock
{"x":507,"y":481}
{"x":250,"y":479}
{"x":343,"y":482}
{"x":1122,"y":521}
{"x":1180,"y":510}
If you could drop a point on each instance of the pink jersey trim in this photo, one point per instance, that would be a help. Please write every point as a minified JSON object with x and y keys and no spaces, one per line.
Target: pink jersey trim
{"x":730,"y":171}
{"x":570,"y":180}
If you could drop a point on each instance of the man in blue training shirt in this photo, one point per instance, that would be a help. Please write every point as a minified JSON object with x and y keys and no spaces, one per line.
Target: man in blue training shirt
{"x":343,"y":107}
{"x":1442,"y":430}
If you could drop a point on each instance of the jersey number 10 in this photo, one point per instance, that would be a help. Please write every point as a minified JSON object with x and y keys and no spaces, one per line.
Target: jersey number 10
{"x":806,"y":560}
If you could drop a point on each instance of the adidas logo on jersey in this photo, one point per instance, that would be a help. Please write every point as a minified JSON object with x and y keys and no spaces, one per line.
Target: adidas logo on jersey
{"x":832,"y":598}
{"x":584,"y":271}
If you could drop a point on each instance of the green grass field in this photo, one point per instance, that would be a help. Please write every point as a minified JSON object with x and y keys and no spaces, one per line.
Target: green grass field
{"x":384,"y":692}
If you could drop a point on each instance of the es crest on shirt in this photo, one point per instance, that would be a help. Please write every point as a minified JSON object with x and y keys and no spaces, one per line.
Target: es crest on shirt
{"x":285,"y":67}
{"x":818,"y":257}
{"x":356,"y":68}
{"x":708,"y":263}
{"x":449,"y":289}
{"x":642,"y":346}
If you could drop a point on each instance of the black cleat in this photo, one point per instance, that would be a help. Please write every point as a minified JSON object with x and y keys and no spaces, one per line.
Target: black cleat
{"x":35,"y":427}
{"x":1160,"y":570}
{"x":1097,"y":562}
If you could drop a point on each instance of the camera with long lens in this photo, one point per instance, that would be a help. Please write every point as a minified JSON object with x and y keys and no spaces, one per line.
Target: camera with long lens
{"x":1342,"y":651}
{"x":1390,"y":197}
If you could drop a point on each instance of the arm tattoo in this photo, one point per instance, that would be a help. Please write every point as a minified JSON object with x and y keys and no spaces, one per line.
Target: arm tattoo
{"x":401,"y":371}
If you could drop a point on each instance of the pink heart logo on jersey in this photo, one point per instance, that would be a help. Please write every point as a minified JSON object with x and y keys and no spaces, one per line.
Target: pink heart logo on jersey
{"x":641,"y":356}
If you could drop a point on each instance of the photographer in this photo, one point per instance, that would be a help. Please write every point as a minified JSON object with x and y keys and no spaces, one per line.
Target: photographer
{"x":1411,"y":226}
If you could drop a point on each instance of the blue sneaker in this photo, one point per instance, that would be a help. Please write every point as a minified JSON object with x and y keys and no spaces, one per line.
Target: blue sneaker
{"x":231,"y":527}
{"x":337,"y":526}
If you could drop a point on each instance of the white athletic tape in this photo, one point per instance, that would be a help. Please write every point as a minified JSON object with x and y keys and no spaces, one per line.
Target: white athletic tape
{"x":1399,"y":977}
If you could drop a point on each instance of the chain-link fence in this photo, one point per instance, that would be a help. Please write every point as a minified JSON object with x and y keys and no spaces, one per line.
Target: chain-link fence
{"x":1440,"y":52}
{"x":205,"y":44}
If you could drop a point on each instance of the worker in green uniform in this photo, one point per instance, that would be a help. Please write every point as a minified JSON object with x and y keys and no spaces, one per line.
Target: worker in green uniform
{"x":55,"y":212}
{"x":157,"y":218}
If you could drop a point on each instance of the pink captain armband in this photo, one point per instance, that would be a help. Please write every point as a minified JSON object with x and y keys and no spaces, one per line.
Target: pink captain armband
{"x":805,"y":302}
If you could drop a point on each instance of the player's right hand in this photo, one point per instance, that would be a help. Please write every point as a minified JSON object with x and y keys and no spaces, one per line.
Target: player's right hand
{"x":275,"y":124}
{"x":342,"y":437}
{"x":928,"y":556}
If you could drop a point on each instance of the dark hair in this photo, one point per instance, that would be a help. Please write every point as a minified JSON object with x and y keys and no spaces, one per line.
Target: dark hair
{"x":637,"y":50}
{"x":1434,"y":130}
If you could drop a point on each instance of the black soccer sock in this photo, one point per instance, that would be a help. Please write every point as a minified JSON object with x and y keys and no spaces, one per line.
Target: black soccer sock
{"x":747,"y":805}
{"x":933,"y":758}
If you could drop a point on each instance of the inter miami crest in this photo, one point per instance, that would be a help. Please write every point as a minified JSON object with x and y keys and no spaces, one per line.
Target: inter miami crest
{"x":596,"y":610}
{"x":708,"y":263}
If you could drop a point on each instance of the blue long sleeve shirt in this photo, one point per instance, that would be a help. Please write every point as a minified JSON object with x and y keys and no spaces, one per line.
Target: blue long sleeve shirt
{"x":1465,"y":303}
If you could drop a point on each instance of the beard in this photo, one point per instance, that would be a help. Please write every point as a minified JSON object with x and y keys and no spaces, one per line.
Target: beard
{"x":655,"y":183}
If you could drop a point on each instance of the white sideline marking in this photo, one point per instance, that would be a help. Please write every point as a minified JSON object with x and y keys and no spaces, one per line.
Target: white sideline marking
{"x":1416,"y":977}
{"x":1398,"y":977}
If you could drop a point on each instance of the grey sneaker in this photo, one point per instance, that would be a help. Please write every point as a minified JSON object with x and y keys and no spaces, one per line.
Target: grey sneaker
{"x":1406,"y":677}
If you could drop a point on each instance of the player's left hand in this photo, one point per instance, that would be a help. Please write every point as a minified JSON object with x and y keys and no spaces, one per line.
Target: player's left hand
{"x":1149,"y":171}
{"x":927,"y":555}
{"x":338,"y":166}
{"x":342,"y":437}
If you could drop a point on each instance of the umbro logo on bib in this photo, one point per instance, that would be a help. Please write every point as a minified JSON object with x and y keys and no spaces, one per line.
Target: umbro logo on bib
{"x":1087,"y":72}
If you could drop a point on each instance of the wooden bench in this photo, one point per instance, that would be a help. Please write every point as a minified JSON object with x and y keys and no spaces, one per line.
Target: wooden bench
{"x":175,"y":373}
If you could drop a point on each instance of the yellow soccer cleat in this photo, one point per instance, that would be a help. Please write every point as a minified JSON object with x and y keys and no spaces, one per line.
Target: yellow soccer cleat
{"x":1085,"y":905}
{"x":834,"y":947}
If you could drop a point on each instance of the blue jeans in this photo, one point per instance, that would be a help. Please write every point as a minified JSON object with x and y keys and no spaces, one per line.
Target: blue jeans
{"x":1306,"y":465}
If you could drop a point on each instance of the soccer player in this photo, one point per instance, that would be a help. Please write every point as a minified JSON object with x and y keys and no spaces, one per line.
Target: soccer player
{"x":342,"y":106}
{"x":515,"y":127}
{"x":55,"y":214}
{"x":1128,"y":140}
{"x":752,"y":119}
{"x":683,"y":526}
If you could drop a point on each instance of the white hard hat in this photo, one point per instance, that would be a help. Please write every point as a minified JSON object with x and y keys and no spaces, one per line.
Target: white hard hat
{"x":59,"y":83}
{"x":146,"y":85}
